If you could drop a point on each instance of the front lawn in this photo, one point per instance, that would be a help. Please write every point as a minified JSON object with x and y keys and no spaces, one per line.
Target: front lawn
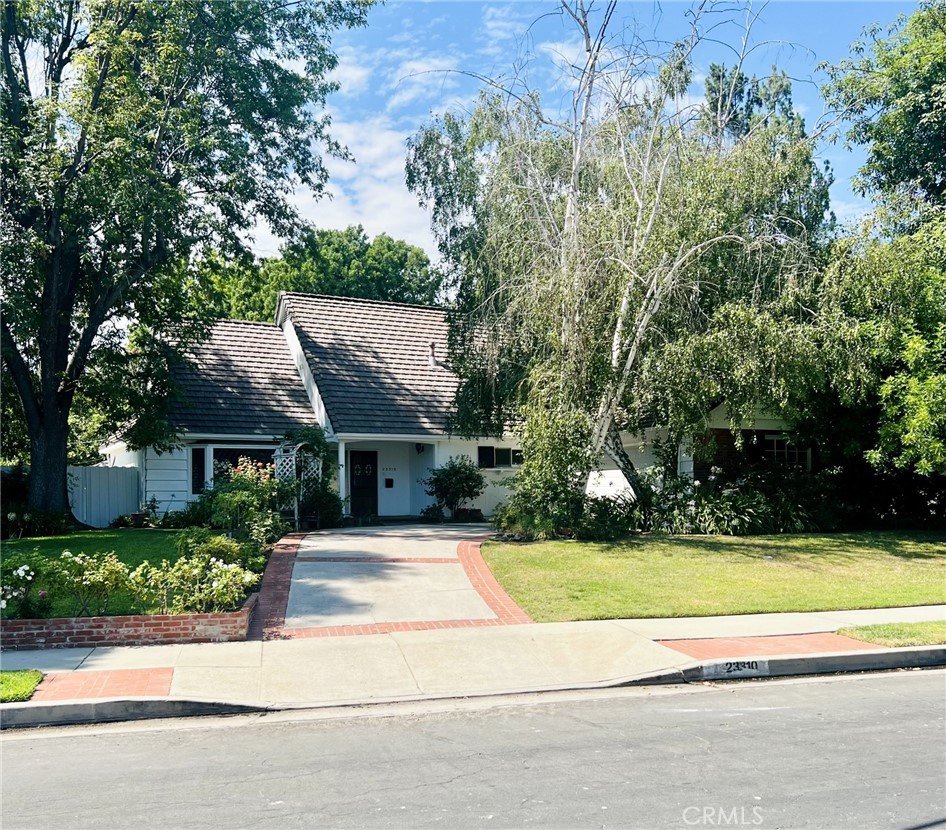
{"x":131,"y":545}
{"x":681,"y":576}
{"x":897,"y":635}
{"x":18,"y":685}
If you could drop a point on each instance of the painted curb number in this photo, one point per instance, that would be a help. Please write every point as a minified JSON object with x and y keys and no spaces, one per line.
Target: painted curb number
{"x":736,"y":668}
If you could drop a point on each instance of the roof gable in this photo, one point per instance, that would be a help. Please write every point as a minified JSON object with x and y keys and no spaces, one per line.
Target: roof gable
{"x":240,"y":381}
{"x":371,"y":362}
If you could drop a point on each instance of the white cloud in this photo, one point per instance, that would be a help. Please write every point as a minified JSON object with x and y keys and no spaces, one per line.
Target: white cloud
{"x":420,"y":79}
{"x":370,"y":192}
{"x":353,"y":71}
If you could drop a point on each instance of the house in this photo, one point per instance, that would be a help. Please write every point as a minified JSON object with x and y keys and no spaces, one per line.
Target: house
{"x":372,"y":375}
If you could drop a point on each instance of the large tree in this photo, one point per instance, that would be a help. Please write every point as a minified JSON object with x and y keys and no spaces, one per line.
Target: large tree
{"x":136,"y":135}
{"x":893,"y":93}
{"x":581,"y":242}
{"x":344,"y":263}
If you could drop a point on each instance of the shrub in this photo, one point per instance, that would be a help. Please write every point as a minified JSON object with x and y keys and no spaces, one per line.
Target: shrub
{"x":605,"y":518}
{"x":199,"y":541}
{"x":196,"y":513}
{"x":19,"y":575}
{"x":199,"y":584}
{"x":432,"y":513}
{"x":457,"y":481}
{"x":90,"y":580}
{"x":17,"y":521}
{"x":549,"y":489}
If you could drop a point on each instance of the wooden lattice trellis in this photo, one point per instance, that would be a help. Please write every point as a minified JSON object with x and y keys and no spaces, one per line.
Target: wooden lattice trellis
{"x":299,"y":464}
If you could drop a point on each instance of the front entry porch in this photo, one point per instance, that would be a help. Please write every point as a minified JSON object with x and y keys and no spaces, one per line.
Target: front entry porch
{"x":382,"y":478}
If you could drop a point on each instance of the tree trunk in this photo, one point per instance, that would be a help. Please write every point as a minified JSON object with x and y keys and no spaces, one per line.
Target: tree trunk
{"x":615,"y":450}
{"x":48,"y":489}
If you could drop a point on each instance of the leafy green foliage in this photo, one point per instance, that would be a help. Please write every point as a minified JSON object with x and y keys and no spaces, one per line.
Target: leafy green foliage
{"x":138,"y":138}
{"x":198,"y":583}
{"x":341,"y":263}
{"x":549,"y":498}
{"x":891,"y":90}
{"x":89,"y":579}
{"x":456,"y":482}
{"x":20,"y":575}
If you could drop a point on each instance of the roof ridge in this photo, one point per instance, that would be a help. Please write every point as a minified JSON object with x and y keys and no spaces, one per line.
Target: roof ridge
{"x":247,"y":323}
{"x":365,"y":300}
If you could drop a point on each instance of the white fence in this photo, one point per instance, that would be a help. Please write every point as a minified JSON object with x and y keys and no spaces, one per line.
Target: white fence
{"x":99,"y":495}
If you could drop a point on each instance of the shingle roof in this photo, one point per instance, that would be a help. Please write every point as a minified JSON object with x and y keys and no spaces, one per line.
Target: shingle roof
{"x":371,"y":362}
{"x":241,"y":380}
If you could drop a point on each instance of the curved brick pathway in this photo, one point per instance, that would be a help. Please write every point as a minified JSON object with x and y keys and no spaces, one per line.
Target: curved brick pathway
{"x":380,"y":580}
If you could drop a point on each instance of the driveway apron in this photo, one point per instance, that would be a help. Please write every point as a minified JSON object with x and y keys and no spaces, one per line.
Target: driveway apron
{"x":384,"y":577}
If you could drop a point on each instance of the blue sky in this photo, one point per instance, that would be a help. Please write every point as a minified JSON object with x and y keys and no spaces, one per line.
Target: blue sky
{"x":411,"y":59}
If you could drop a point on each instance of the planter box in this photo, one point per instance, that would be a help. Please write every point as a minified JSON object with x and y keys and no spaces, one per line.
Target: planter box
{"x":133,"y":630}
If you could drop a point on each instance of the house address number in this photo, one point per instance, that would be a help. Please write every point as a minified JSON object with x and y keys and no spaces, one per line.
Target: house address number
{"x":736,"y":668}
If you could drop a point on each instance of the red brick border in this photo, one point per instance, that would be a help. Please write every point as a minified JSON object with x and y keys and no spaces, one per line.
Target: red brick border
{"x":274,"y":595}
{"x":380,"y":560}
{"x":493,"y":594}
{"x":130,"y":630}
{"x":81,"y":685}
{"x":766,"y":645}
{"x":270,"y":614}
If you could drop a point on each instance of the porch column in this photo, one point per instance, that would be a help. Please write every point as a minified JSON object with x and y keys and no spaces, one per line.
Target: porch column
{"x":343,"y":479}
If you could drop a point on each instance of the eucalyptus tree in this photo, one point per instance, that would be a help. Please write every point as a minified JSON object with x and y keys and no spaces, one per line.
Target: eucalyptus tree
{"x":582,"y":242}
{"x":137,"y":134}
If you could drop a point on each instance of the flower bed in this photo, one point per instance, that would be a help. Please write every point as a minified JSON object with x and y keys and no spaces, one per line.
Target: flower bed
{"x":133,"y":630}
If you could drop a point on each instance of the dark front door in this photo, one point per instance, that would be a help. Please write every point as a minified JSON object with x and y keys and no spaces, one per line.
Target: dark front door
{"x":363,"y":480}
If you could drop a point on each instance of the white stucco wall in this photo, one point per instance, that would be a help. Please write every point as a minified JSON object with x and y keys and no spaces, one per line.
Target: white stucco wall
{"x":496,"y":492}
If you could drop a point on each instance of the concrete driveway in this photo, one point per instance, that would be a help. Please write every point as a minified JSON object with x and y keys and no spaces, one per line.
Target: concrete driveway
{"x":385,"y":575}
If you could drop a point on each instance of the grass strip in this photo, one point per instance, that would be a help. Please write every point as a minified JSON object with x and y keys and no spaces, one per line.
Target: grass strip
{"x":18,"y":685}
{"x":682,"y":576}
{"x":899,"y":635}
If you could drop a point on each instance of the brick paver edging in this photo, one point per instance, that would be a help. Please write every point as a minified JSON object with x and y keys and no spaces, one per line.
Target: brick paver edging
{"x":83,"y":685}
{"x":129,"y":630}
{"x":274,"y":595}
{"x":270,"y":614}
{"x":493,"y":594}
{"x":766,"y":645}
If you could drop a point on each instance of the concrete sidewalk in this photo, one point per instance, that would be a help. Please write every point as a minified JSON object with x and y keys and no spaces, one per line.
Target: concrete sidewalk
{"x":127,"y":682}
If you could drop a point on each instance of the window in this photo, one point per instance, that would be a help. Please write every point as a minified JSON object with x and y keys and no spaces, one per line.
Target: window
{"x":782,"y":450}
{"x":198,"y":469}
{"x":499,"y":457}
{"x":226,"y":458}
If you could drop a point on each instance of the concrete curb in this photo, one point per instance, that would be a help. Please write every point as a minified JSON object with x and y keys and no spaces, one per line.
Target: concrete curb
{"x":65,"y":713}
{"x":105,"y":710}
{"x":830,"y":663}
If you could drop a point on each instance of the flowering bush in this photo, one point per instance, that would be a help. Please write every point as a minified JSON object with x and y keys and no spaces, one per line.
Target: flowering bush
{"x":200,"y":540}
{"x":19,"y":577}
{"x":213,"y":573}
{"x":89,"y":579}
{"x":194,"y":584}
{"x":250,"y":500}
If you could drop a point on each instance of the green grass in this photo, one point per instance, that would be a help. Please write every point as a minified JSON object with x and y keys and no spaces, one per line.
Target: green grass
{"x":679,"y":576}
{"x":896,"y":635}
{"x":18,"y":685}
{"x":131,"y":545}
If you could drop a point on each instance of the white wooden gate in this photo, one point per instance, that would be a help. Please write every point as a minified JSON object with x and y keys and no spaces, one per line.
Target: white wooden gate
{"x":99,"y":495}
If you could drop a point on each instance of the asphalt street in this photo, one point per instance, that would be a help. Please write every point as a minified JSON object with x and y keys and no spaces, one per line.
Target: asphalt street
{"x":858,"y":751}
